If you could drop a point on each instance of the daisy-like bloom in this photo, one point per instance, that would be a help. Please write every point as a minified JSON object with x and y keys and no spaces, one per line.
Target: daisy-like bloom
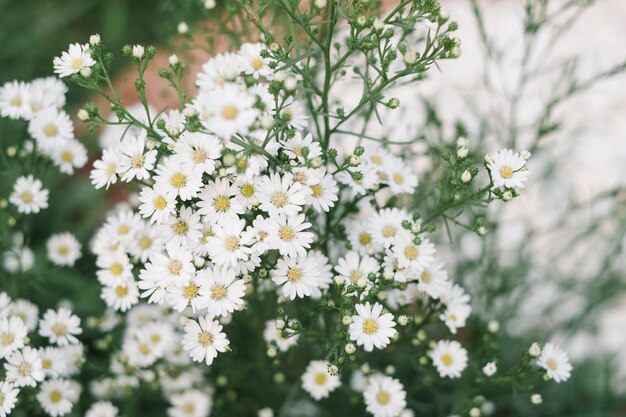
{"x":367,"y":182}
{"x":146,"y":242}
{"x":102,"y":409}
{"x":51,"y":128}
{"x":219,"y":70}
{"x":288,"y":234}
{"x":370,"y":328}
{"x":411,"y":256}
{"x":556,"y":362}
{"x":218,"y":202}
{"x":69,"y":155}
{"x":46,"y":92}
{"x":229,"y":244}
{"x":14,"y":100}
{"x":294,"y":114}
{"x":28,"y":195}
{"x":156,"y":204}
{"x":221,"y":292}
{"x":197,"y":152}
{"x":175,"y":266}
{"x":259,"y":232}
{"x":322,"y":192}
{"x":280,"y":195}
{"x":114,"y":268}
{"x":455,"y":316}
{"x":355,"y":268}
{"x":120,"y":295}
{"x":104,"y":172}
{"x":57,"y":396}
{"x":73,"y":60}
{"x":247,"y":188}
{"x":318,"y":382}
{"x":360,"y":237}
{"x":24,"y":367}
{"x":140,"y":351}
{"x":53,"y":361}
{"x":400,"y":178}
{"x":60,"y":327}
{"x":186,"y":229}
{"x":8,"y":398}
{"x":226,"y":111}
{"x":134,"y":163}
{"x":384,"y":396}
{"x":204,"y":339}
{"x":252,"y":63}
{"x":174,"y":125}
{"x":171,"y":176}
{"x":433,"y":280}
{"x":18,"y":259}
{"x":281,"y":338}
{"x":508,"y":169}
{"x":191,"y":403}
{"x":450,"y":358}
{"x":187,"y":294}
{"x":298,"y":276}
{"x":13,"y":332}
{"x":63,"y":249}
{"x":302,"y":149}
{"x":25,"y":310}
{"x":386,"y":224}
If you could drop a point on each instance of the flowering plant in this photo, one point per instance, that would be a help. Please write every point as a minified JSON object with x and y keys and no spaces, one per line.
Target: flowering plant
{"x":275,"y":259}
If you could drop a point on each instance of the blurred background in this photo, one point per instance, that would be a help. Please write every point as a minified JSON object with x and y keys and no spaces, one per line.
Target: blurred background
{"x":541,"y":75}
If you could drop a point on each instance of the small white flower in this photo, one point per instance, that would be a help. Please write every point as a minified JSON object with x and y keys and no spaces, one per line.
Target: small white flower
{"x":221,"y":292}
{"x":69,"y":155}
{"x":105,"y":169}
{"x":57,"y":396}
{"x":63,"y":249}
{"x":384,"y":396}
{"x":51,"y":128}
{"x":102,"y":409}
{"x":280,"y":195}
{"x":133,"y":162}
{"x":534,"y":350}
{"x":556,"y":362}
{"x":8,"y":397}
{"x":73,"y":60}
{"x":191,"y":403}
{"x":24,"y":368}
{"x":157,"y":204}
{"x":536,"y":399}
{"x":490,"y":369}
{"x":317,"y":381}
{"x":252,"y":61}
{"x":13,"y":333}
{"x":28,"y":195}
{"x":60,"y":327}
{"x":508,"y":169}
{"x":204,"y":339}
{"x":15,"y":100}
{"x":289,"y":235}
{"x":298,"y":276}
{"x":370,"y":328}
{"x":450,"y":358}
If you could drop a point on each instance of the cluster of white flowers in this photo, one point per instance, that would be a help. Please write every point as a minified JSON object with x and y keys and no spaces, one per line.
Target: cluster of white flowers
{"x":47,"y":365}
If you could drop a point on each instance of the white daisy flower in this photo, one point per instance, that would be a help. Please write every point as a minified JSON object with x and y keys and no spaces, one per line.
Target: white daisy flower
{"x":400,"y":178}
{"x":139,"y":350}
{"x":280,"y":195}
{"x":156,"y":204}
{"x":60,"y":327}
{"x":174,"y":266}
{"x":190,"y":403}
{"x":289,"y":235}
{"x":25,"y":310}
{"x":146,"y":242}
{"x":386,"y":224}
{"x":133,"y":162}
{"x":298,"y":276}
{"x":411,"y":256}
{"x":246,"y":191}
{"x":299,"y":146}
{"x":433,"y":280}
{"x":384,"y":396}
{"x":556,"y":362}
{"x":295,"y":114}
{"x":180,"y":296}
{"x":28,"y":195}
{"x":252,"y":63}
{"x":221,"y":292}
{"x":226,"y":111}
{"x":185,"y":230}
{"x":360,"y":237}
{"x":171,"y":176}
{"x":259,"y":232}
{"x":73,"y":60}
{"x":317,"y":381}
{"x":102,"y":409}
{"x":54,"y":361}
{"x":13,"y":334}
{"x":449,"y":357}
{"x":508,"y":169}
{"x":24,"y":368}
{"x":198,"y":152}
{"x":63,"y":249}
{"x":455,"y":316}
{"x":69,"y":155}
{"x":15,"y":99}
{"x":219,"y":70}
{"x":114,"y":268}
{"x":229,"y":244}
{"x":204,"y":339}
{"x":46,"y":92}
{"x":121,"y":295}
{"x":57,"y":396}
{"x":370,"y":328}
{"x":105,"y":169}
{"x":8,"y":397}
{"x":51,"y":128}
{"x":218,"y":202}
{"x":355,"y":268}
{"x":322,"y":192}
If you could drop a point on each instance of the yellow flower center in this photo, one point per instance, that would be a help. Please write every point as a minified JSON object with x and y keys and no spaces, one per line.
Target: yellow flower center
{"x":160,"y":203}
{"x":279,"y":199}
{"x":231,"y":243}
{"x":218,"y":292}
{"x":426,"y":277}
{"x":257,"y":63}
{"x":299,"y":177}
{"x":247,"y":190}
{"x":175,"y":267}
{"x":180,"y":228}
{"x":137,"y":161}
{"x":6,"y":338}
{"x":365,"y":238}
{"x":121,"y":291}
{"x":24,"y":369}
{"x":77,"y":63}
{"x":551,"y":364}
{"x":67,"y":156}
{"x":320,"y":379}
{"x":506,"y":172}
{"x":116,"y":268}
{"x":144,"y":349}
{"x":46,"y":363}
{"x":411,"y":252}
{"x":221,"y":203}
{"x":145,"y":243}
{"x":155,"y":338}
{"x":398,"y":178}
{"x":16,"y":101}
{"x":205,"y":339}
{"x":370,"y":326}
{"x":63,"y":250}
{"x":376,"y":159}
{"x":111,"y":169}
{"x":286,"y":233}
{"x":389,"y":231}
{"x":190,"y":291}
{"x":123,"y":229}
{"x":178,"y":180}
{"x":446,"y":359}
{"x":383,"y":398}
{"x":27,"y":197}
{"x":55,"y":396}
{"x":50,"y":130}
{"x":229,"y":112}
{"x":199,"y":156}
{"x":317,"y":190}
{"x":188,"y":408}
{"x":294,"y":274}
{"x":59,"y":329}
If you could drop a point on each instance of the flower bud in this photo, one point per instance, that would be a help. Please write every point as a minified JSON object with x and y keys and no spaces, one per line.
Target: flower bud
{"x":346,"y":320}
{"x":466,"y":176}
{"x":290,"y":83}
{"x":209,"y":4}
{"x":536,"y":399}
{"x":410,"y":58}
{"x":182,"y":28}
{"x":266,"y":121}
{"x":320,"y":4}
{"x":462,"y":152}
{"x":94,"y":39}
{"x":354,"y":160}
{"x":82,"y":115}
{"x":350,"y":349}
{"x":493,"y":326}
{"x":190,"y":111}
{"x":507,"y":196}
{"x":474,"y":412}
{"x":85,"y":72}
{"x":173,"y":60}
{"x":138,"y":51}
{"x":535,"y":350}
{"x":490,"y":369}
{"x":379,"y":24}
{"x":525,"y":154}
{"x":488,"y":158}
